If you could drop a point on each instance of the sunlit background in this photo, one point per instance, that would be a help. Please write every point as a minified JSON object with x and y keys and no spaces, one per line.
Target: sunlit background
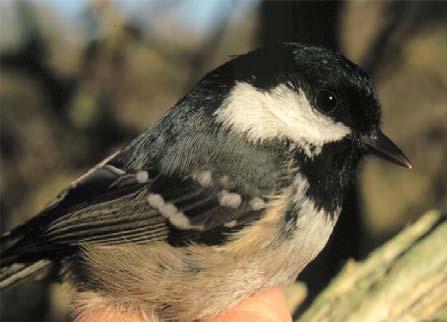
{"x":81,"y":78}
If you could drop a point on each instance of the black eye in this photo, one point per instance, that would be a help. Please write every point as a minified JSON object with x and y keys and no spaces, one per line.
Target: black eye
{"x":326,"y":101}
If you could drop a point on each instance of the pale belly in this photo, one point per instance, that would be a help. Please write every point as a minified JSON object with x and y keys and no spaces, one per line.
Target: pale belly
{"x":198,"y":281}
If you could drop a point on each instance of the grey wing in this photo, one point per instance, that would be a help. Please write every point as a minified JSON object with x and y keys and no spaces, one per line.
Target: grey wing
{"x":112,"y":206}
{"x":124,"y":216}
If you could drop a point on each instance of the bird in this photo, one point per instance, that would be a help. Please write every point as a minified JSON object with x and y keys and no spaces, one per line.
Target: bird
{"x":234,"y":190}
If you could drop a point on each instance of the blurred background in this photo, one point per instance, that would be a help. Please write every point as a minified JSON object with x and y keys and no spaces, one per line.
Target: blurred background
{"x":81,"y":78}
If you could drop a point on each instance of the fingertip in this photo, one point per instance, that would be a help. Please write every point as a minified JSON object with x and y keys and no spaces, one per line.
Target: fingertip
{"x":264,"y":306}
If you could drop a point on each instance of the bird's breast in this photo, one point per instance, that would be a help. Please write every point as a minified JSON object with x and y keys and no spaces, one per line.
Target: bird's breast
{"x":299,"y":230}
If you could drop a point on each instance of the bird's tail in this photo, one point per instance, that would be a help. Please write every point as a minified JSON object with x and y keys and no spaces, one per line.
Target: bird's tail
{"x":18,"y":272}
{"x":12,"y":268}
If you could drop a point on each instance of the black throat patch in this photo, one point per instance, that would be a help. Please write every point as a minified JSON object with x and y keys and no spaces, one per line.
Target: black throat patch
{"x":330,"y":173}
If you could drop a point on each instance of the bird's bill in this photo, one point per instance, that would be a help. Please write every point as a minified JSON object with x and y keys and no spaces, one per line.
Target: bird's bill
{"x":380,"y":145}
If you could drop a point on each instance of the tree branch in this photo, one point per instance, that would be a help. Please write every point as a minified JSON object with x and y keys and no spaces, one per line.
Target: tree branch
{"x":404,"y":280}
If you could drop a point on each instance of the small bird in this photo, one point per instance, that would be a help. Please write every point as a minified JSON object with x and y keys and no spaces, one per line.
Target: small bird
{"x":235,"y":189}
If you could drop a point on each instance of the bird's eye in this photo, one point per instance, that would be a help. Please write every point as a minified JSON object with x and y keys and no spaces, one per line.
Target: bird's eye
{"x":326,"y":101}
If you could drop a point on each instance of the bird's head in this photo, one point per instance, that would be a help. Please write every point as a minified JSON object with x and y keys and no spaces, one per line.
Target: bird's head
{"x":312,"y":97}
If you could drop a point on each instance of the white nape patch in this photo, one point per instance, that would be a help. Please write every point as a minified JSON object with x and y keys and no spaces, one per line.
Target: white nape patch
{"x":142,"y":177}
{"x":257,"y":204}
{"x":204,"y":178}
{"x":229,"y":199}
{"x":170,"y":212}
{"x":280,"y":112}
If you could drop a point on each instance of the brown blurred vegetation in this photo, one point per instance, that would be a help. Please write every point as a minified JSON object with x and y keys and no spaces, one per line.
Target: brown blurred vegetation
{"x":67,"y":101}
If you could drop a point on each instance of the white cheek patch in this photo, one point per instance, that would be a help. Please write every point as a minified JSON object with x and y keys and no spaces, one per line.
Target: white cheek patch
{"x":280,"y":112}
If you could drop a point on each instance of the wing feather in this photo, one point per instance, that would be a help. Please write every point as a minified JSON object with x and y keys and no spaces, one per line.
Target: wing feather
{"x":110,"y":206}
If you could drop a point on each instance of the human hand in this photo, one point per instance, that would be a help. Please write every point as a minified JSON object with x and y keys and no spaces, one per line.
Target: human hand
{"x":265,"y":306}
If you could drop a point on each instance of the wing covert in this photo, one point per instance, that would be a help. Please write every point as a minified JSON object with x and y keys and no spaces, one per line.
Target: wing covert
{"x":111,"y":206}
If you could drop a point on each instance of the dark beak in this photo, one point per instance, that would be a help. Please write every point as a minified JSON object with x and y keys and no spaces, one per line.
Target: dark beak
{"x":380,"y":145}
